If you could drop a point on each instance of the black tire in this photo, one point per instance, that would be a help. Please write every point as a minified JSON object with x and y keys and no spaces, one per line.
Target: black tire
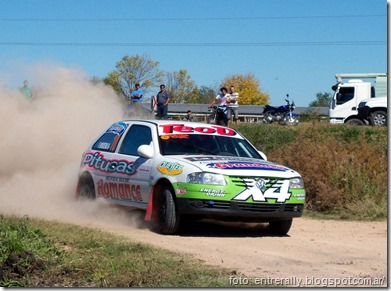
{"x":280,"y":227}
{"x":379,"y":118}
{"x":355,"y":121}
{"x":86,"y":188}
{"x":168,"y":214}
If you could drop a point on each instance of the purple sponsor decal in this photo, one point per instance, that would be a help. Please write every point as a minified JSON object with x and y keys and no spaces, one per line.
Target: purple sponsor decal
{"x":239,"y":165}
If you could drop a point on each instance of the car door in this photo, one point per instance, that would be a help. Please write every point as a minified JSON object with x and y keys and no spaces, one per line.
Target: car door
{"x":137,"y":176}
{"x":101,"y":162}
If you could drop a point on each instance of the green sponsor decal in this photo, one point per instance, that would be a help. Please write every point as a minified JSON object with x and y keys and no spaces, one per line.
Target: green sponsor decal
{"x":248,"y":190}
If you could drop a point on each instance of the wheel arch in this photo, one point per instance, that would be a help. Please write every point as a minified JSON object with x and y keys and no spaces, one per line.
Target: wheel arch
{"x":373,"y":109}
{"x":152,"y":207}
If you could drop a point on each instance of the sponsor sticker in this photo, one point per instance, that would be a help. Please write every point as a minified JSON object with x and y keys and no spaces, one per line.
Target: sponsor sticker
{"x":166,"y":129}
{"x":117,"y":128}
{"x":238,"y":165}
{"x":170,"y":168}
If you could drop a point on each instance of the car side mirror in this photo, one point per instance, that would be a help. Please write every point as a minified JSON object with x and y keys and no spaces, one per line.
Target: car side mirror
{"x":263,"y":155}
{"x":145,"y":151}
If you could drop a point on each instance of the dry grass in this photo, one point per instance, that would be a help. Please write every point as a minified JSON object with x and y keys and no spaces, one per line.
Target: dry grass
{"x":344,"y":167}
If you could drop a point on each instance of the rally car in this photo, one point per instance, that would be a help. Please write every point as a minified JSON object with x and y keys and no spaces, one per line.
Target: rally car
{"x":175,"y":170}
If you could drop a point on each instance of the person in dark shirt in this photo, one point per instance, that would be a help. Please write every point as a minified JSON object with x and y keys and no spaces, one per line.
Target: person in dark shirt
{"x":162,"y":98}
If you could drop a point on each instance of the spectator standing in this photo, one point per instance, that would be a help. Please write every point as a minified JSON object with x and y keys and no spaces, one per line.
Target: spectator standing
{"x":233,"y":104}
{"x":162,"y":98}
{"x":188,"y":116}
{"x":222,"y":98}
{"x":26,"y":90}
{"x":137,"y":99}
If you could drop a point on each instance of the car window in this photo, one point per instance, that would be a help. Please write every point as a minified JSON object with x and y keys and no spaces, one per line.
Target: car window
{"x":109,"y":140}
{"x":136,"y":136}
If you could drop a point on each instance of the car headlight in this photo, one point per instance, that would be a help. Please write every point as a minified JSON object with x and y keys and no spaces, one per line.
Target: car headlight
{"x":206,"y":178}
{"x":296,"y":183}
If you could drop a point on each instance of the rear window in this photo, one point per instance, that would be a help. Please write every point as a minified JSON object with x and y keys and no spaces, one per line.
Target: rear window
{"x":109,"y":140}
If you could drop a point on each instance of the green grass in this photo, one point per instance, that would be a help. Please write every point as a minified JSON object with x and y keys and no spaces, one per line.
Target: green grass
{"x":64,"y":255}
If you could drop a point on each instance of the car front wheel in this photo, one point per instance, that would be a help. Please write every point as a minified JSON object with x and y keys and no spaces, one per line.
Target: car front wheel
{"x":280,"y":227}
{"x":168,"y":213}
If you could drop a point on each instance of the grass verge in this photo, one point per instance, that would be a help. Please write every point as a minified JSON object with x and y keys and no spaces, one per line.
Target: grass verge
{"x":38,"y":253}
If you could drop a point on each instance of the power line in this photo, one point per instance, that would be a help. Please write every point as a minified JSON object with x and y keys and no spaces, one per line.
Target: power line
{"x":205,"y":44}
{"x":189,"y":18}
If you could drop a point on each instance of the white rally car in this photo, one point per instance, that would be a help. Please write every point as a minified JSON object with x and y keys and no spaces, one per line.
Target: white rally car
{"x":174,"y":169}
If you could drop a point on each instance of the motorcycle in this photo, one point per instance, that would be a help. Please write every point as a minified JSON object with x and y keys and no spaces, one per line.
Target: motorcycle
{"x":282,"y":114}
{"x":218,"y":115}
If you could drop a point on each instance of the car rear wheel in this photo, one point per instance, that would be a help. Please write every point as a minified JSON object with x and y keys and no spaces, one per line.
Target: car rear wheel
{"x":86,"y":190}
{"x":168,"y":213}
{"x":280,"y":227}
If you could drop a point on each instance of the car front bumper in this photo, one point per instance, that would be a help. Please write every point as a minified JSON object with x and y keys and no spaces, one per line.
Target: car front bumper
{"x":238,"y":211}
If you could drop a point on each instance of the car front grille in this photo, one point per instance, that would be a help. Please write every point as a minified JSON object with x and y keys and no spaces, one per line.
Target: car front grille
{"x":248,"y":207}
{"x":249,"y":182}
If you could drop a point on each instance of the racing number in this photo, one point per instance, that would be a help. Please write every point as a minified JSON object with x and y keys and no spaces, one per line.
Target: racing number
{"x":278,"y":191}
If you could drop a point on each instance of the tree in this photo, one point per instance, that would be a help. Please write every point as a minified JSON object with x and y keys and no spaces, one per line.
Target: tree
{"x":248,"y":88}
{"x":322,"y":100}
{"x":132,"y":70}
{"x":202,"y":95}
{"x":180,"y":86}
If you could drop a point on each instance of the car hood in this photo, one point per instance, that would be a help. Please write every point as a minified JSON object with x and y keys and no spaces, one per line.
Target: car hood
{"x":236,"y":166}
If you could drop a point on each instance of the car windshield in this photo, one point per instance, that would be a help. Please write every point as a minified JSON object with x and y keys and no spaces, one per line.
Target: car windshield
{"x":202,"y":144}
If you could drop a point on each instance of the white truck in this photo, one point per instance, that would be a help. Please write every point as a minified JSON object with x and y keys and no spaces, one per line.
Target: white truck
{"x":357,"y":91}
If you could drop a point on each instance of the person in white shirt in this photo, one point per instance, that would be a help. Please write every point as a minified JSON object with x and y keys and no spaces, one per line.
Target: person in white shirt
{"x":222,"y":98}
{"x":233,"y":104}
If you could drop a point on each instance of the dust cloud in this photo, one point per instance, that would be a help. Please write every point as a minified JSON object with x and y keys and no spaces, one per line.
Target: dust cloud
{"x":42,"y":141}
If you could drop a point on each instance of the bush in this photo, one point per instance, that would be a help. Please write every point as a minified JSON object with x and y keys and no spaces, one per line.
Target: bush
{"x":344,"y":167}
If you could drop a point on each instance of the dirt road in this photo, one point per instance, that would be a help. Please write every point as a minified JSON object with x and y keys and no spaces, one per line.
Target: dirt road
{"x":40,"y":154}
{"x":317,"y":250}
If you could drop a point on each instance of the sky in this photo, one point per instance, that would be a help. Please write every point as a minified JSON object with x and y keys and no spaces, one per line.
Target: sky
{"x":292,"y":47}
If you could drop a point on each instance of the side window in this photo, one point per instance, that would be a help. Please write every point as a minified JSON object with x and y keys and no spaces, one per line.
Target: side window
{"x":345,"y":94}
{"x":137,"y":135}
{"x":109,"y":140}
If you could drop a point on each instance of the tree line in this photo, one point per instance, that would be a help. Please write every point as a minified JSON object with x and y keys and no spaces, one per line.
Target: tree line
{"x":142,"y":69}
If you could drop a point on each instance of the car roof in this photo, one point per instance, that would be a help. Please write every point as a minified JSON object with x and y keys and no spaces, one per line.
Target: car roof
{"x":160,"y":122}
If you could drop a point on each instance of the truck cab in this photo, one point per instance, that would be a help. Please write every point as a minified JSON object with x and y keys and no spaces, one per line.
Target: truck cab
{"x":348,"y":95}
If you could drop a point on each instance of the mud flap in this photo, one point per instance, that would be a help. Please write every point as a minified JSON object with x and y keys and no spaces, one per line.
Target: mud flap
{"x":149,"y":214}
